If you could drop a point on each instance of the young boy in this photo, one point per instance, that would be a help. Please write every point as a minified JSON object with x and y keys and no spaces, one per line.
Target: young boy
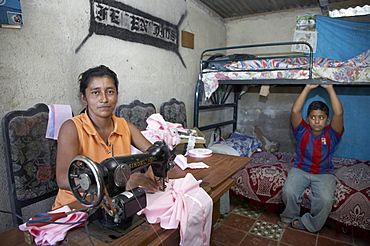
{"x":316,"y":142}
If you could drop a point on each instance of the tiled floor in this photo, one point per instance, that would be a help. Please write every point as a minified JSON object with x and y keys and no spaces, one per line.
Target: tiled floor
{"x":246,"y":226}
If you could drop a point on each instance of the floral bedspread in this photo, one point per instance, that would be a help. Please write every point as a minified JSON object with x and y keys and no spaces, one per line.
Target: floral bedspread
{"x":353,"y":70}
{"x":263,"y":178}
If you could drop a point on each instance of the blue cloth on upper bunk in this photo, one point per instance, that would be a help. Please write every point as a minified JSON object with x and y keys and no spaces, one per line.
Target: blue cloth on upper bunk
{"x":341,"y":39}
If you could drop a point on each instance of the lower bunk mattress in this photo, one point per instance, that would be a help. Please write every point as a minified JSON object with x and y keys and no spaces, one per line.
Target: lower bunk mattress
{"x":261,"y":181}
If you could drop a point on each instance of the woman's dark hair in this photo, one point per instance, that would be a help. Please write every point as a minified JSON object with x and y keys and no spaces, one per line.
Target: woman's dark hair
{"x":318,"y":105}
{"x":100,"y":71}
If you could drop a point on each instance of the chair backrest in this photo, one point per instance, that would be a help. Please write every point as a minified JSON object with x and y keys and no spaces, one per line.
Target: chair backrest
{"x":136,"y":112}
{"x":30,"y":158}
{"x":174,"y":111}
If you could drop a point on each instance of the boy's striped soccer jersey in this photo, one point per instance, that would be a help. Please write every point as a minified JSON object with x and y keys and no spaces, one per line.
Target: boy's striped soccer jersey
{"x":314,"y":154}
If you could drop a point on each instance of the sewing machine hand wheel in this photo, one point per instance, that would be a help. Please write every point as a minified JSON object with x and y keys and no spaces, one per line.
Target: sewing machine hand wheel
{"x":85,"y":176}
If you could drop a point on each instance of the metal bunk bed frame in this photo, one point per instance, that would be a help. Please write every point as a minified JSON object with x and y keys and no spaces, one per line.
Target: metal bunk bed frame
{"x":219,"y":97}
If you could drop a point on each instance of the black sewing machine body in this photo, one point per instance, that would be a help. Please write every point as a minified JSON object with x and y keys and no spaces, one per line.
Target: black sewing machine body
{"x":104,"y":185}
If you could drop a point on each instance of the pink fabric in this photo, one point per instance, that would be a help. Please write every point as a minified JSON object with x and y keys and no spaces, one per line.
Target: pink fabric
{"x":156,"y":122}
{"x":182,"y":162}
{"x":185,"y":203}
{"x":51,"y":234}
{"x":159,"y":129}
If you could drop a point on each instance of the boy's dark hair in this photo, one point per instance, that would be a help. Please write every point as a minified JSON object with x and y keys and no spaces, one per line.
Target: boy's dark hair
{"x":100,"y":71}
{"x":318,"y":105}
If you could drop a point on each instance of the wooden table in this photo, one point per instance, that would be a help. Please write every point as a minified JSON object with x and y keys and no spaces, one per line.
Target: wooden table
{"x":216,"y":180}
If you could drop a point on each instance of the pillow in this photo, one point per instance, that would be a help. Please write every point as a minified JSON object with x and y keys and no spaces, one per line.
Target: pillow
{"x":238,"y":143}
{"x":223,"y":149}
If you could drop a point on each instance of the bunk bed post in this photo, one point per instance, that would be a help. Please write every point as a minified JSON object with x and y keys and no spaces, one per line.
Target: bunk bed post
{"x":198,"y":93}
{"x":236,"y":100}
{"x":196,"y":103}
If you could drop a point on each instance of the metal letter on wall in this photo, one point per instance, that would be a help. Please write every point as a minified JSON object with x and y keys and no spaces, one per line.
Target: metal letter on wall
{"x":118,"y":20}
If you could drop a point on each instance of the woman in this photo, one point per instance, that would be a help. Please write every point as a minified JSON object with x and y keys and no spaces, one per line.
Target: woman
{"x":97,"y":133}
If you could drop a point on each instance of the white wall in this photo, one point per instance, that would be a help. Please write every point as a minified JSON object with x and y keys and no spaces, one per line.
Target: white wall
{"x":38,"y":63}
{"x":265,"y":28}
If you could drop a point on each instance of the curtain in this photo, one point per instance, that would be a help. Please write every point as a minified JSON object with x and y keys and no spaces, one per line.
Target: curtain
{"x":341,"y":39}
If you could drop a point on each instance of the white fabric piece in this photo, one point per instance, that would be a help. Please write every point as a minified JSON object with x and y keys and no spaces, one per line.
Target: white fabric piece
{"x":224,"y":149}
{"x":57,"y":115}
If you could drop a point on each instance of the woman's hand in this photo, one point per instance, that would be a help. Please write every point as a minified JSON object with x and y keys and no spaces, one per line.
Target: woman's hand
{"x":147,"y":181}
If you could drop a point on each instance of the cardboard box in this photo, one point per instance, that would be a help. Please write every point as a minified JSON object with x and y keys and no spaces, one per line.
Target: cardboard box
{"x":199,"y":143}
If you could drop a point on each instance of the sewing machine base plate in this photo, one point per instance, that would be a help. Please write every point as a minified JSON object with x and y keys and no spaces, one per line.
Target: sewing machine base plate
{"x":108,"y":232}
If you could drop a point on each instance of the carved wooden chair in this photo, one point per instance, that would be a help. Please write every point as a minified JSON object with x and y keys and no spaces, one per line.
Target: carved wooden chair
{"x":174,"y":111}
{"x":136,"y":112}
{"x":30,"y":158}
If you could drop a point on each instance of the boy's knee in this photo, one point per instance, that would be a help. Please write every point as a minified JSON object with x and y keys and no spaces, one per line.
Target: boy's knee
{"x":326,"y":195}
{"x":289,"y":191}
{"x":327,"y":200}
{"x":323,"y":202}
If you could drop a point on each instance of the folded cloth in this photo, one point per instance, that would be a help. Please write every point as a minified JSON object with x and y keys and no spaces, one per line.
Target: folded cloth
{"x":185,"y":203}
{"x":57,"y":115}
{"x":51,"y":234}
{"x":156,"y":122}
{"x":159,"y":129}
{"x":182,"y":162}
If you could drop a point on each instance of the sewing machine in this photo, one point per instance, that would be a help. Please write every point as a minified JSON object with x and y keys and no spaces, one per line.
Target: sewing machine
{"x":104,"y":185}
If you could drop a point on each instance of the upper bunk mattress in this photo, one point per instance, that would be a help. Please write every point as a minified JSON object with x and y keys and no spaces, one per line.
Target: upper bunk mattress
{"x":355,"y":70}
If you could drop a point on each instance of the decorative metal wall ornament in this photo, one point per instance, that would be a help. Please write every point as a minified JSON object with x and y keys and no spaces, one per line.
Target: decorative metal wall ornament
{"x":118,"y":20}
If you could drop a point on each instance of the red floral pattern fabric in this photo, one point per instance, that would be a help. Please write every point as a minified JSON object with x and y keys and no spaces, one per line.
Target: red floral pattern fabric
{"x":263,"y":178}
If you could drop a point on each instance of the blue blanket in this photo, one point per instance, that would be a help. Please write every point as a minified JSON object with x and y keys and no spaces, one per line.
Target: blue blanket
{"x":341,"y":39}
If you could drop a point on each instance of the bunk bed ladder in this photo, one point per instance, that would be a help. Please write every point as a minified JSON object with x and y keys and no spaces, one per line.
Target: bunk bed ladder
{"x":218,"y":100}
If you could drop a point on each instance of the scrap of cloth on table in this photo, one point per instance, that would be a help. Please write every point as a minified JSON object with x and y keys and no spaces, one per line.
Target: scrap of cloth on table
{"x":51,"y":234}
{"x":182,"y":162}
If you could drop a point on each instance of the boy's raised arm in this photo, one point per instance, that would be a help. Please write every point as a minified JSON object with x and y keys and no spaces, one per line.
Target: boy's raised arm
{"x":338,"y":111}
{"x":296,"y":116}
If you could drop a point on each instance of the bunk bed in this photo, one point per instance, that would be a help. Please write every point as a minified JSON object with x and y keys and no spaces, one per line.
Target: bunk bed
{"x":220,"y":75}
{"x":224,"y":75}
